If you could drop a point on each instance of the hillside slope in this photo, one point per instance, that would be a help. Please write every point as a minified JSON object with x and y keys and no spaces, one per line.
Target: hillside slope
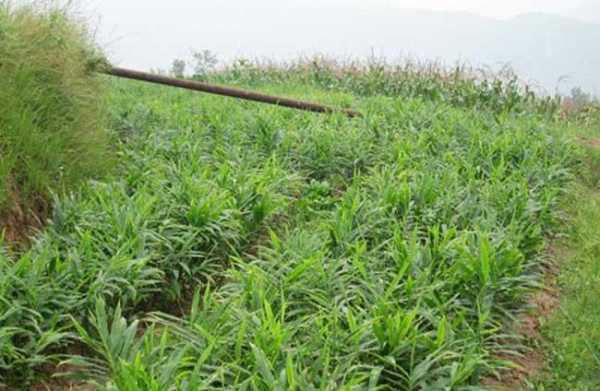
{"x":249,"y":246}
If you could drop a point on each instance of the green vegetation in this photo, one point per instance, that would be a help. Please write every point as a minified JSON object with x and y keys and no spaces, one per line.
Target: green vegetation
{"x":461,"y":86}
{"x":51,"y":115}
{"x":572,"y":332}
{"x":249,"y":247}
{"x":241,"y":246}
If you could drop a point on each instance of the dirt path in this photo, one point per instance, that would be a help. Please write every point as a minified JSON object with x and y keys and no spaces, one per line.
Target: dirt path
{"x":540,"y":305}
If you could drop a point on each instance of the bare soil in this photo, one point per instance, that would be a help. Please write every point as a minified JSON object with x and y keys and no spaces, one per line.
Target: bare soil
{"x":589,"y":142}
{"x":19,"y":223}
{"x":541,"y":305}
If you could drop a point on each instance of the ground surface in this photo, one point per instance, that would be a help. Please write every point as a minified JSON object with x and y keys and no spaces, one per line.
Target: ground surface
{"x":570,"y":334}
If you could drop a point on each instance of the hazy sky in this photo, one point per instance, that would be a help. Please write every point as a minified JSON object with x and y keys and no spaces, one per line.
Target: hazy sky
{"x":148,"y":34}
{"x":494,"y":8}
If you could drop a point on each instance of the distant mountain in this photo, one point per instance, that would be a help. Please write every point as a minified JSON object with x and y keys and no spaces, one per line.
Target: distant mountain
{"x":542,"y":48}
{"x":546,"y":48}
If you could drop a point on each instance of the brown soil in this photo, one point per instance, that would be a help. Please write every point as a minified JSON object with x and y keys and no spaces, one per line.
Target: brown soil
{"x":589,"y":142}
{"x":18,"y":223}
{"x":57,"y":384}
{"x":541,"y":305}
{"x":18,"y":226}
{"x":62,"y":385}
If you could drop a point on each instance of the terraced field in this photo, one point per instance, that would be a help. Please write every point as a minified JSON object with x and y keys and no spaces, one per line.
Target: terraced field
{"x":242,"y":246}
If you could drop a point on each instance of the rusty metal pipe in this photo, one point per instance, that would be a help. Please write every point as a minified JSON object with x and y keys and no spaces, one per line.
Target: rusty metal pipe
{"x":227,"y":91}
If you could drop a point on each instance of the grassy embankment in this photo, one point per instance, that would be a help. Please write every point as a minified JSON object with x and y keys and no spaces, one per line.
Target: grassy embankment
{"x":572,"y":332}
{"x":51,"y":129}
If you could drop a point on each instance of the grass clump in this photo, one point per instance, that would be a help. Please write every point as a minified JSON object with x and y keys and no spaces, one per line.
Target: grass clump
{"x":52,"y":132}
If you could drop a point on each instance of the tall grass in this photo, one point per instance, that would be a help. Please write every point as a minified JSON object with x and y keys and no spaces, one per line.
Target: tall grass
{"x":52,"y":129}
